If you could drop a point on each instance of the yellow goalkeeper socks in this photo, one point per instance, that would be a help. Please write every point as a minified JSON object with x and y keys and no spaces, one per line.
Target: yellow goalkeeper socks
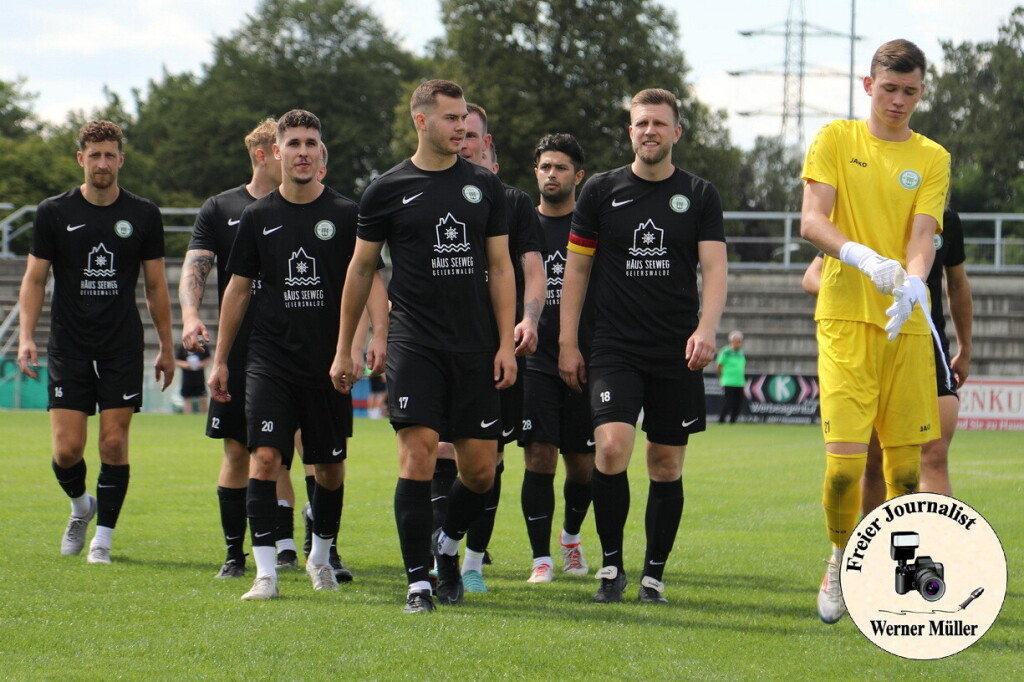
{"x":841,"y":495}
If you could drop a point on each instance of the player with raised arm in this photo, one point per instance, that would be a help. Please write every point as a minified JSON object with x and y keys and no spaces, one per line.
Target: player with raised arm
{"x":451,"y":344}
{"x":297,"y":240}
{"x":96,"y":237}
{"x":639,"y":232}
{"x":873,"y":202}
{"x":554,"y":416}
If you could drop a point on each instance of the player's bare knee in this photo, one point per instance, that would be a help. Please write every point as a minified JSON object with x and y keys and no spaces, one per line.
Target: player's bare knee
{"x":329,"y":476}
{"x":541,"y":458}
{"x":67,"y":456}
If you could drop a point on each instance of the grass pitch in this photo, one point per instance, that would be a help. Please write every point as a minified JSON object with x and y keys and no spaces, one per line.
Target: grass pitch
{"x":742,"y":580}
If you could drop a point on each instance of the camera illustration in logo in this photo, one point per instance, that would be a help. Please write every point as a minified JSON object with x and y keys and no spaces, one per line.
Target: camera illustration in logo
{"x":924,"y":575}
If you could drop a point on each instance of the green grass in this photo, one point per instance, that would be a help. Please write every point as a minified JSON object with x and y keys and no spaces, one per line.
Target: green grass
{"x":742,"y":580}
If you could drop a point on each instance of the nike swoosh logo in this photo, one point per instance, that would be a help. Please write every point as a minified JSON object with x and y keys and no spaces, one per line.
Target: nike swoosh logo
{"x":490,"y":508}
{"x":616,"y":203}
{"x":76,"y":227}
{"x":484,"y":425}
{"x":273,"y":229}
{"x":440,"y":497}
{"x":125,"y":396}
{"x":536,"y":518}
{"x":688,"y":422}
{"x":507,"y":433}
{"x":411,"y":570}
{"x":611,"y":553}
{"x":335,"y":453}
{"x":591,"y":442}
{"x":101,"y":485}
{"x":232,"y":223}
{"x":232,"y":537}
{"x":656,"y":563}
{"x":263,"y":535}
{"x":406,"y":200}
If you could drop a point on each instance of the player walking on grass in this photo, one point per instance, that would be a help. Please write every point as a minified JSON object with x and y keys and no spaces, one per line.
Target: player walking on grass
{"x":451,"y":341}
{"x":643,"y":229}
{"x":96,"y":237}
{"x":525,"y":243}
{"x":873,"y":202}
{"x":297,"y":240}
{"x":554,"y":416}
{"x":212,"y":237}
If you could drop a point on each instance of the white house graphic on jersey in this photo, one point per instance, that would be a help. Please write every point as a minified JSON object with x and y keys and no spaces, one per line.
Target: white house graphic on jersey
{"x":301,"y":270}
{"x":648,"y":240}
{"x":100,"y":262}
{"x":451,"y":236}
{"x":555,"y":269}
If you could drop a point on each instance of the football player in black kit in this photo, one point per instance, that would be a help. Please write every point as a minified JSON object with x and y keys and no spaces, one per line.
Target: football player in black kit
{"x":96,"y":236}
{"x":297,"y":240}
{"x":451,"y":345}
{"x":554,"y":416}
{"x":644,"y":228}
{"x":525,"y":243}
{"x":212,"y":236}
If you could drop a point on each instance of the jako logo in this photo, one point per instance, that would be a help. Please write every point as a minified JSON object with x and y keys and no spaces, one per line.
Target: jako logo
{"x":862,"y":164}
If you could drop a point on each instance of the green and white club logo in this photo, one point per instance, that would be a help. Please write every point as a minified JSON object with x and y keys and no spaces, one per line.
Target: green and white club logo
{"x":679,"y":203}
{"x":937,"y":240}
{"x":472,"y":194}
{"x":910,"y":179}
{"x":123,"y":228}
{"x":324,"y":229}
{"x":782,"y":388}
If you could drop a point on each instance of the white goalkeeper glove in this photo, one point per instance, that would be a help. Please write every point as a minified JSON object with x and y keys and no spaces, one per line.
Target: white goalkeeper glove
{"x":885,"y":273}
{"x":905,"y":297}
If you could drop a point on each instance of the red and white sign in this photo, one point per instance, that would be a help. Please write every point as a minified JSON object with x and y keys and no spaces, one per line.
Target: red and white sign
{"x":991,"y":404}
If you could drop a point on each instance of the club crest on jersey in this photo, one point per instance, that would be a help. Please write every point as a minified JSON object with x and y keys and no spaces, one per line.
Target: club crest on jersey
{"x":937,"y":241}
{"x":472,"y":193}
{"x":555,"y":268}
{"x":301,"y":270}
{"x":451,"y":235}
{"x":679,"y":203}
{"x":910,"y":179}
{"x":123,"y":229}
{"x":324,"y":229}
{"x":648,"y":240}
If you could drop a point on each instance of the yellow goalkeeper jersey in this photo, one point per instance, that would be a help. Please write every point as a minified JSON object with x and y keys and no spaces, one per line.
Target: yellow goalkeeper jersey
{"x":880,"y":187}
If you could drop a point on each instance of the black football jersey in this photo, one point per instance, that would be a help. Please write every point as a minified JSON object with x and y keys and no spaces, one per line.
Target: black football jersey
{"x":949,"y":251}
{"x":436,"y":224}
{"x":96,"y":253}
{"x":556,"y":237}
{"x":644,"y":238}
{"x":524,"y":236}
{"x":300,"y":253}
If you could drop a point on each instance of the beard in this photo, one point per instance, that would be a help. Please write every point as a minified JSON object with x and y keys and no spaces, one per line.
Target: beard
{"x":102,"y":180}
{"x":651,"y":157}
{"x":557,"y":197}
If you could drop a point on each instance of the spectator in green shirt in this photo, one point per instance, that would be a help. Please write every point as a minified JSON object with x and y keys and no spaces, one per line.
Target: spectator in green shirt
{"x":731,"y":365}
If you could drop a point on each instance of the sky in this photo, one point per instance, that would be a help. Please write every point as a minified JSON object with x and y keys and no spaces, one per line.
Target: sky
{"x":70,"y":49}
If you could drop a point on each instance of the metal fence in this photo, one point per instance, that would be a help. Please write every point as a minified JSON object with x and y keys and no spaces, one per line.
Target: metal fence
{"x":994,"y":242}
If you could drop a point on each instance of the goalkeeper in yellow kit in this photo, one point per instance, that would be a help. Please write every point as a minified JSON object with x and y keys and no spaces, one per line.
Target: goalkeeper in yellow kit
{"x":873,"y":201}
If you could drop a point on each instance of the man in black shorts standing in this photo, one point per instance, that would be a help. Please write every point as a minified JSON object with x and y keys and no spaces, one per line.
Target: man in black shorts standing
{"x":96,"y":236}
{"x":451,"y":333}
{"x":644,"y":228}
{"x":212,"y":237}
{"x":524,"y":244}
{"x":554,"y":416}
{"x":297,"y":240}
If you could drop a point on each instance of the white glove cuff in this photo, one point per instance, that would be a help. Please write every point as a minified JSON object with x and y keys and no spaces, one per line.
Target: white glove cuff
{"x":854,"y":254}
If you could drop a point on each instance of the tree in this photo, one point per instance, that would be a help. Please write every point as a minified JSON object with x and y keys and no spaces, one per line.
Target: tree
{"x":332,"y":57}
{"x":973,"y":107}
{"x":543,"y":66}
{"x":17,"y":119}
